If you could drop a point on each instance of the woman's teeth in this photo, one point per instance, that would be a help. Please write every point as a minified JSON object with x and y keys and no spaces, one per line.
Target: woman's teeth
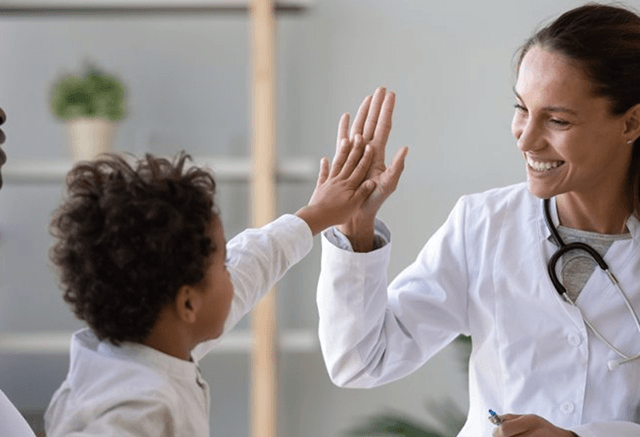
{"x":543,"y":166}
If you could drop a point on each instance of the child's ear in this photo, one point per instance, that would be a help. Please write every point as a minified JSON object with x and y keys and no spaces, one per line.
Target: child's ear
{"x":188,"y":303}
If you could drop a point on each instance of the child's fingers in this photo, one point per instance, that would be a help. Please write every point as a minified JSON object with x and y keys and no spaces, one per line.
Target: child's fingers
{"x":364,"y":191}
{"x":343,"y":129}
{"x":354,"y":156}
{"x":341,"y":156}
{"x":324,"y":171}
{"x":361,"y":170}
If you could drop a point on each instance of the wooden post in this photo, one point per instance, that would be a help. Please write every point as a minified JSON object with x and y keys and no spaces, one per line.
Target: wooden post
{"x":264,"y":399}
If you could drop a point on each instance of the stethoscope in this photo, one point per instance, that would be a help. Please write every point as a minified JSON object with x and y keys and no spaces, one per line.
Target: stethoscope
{"x":564,"y":248}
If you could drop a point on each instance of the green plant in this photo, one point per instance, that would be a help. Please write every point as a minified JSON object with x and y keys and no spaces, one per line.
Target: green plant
{"x":397,"y":425}
{"x":95,"y":95}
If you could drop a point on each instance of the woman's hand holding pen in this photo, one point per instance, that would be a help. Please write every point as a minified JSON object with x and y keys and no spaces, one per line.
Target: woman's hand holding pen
{"x":528,"y":425}
{"x":373,"y":122}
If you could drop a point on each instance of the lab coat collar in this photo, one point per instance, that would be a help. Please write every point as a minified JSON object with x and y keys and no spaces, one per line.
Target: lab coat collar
{"x":633,"y":224}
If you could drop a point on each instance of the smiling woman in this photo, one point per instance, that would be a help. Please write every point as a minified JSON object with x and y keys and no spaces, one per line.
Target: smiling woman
{"x":548,"y":352}
{"x":572,"y":143}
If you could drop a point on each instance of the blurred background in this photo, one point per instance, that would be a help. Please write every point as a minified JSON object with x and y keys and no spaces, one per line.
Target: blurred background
{"x":188,"y":79}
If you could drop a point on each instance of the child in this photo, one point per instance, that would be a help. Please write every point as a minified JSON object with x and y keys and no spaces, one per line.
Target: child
{"x":143,"y":261}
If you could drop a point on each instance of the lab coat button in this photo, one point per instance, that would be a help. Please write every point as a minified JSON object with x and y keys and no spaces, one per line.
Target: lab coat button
{"x":567,"y":407}
{"x":574,"y":339}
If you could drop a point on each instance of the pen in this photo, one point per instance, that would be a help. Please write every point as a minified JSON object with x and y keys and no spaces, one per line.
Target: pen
{"x":494,"y":418}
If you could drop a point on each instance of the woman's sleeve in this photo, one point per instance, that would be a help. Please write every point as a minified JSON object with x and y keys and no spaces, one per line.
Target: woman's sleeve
{"x":371,"y":333}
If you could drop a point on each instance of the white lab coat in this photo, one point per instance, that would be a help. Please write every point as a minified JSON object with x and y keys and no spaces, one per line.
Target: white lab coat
{"x":483,"y":273}
{"x":133,"y":390}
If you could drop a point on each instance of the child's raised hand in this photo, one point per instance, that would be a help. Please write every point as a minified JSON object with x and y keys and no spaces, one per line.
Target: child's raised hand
{"x":341,"y":189}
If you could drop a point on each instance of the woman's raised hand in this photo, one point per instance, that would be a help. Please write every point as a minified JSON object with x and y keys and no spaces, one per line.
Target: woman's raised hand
{"x":373,"y":122}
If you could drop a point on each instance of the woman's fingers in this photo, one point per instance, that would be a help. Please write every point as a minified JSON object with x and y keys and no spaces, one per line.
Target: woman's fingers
{"x":379,"y":96}
{"x":361,"y":116}
{"x":383,"y":126}
{"x":396,"y":169}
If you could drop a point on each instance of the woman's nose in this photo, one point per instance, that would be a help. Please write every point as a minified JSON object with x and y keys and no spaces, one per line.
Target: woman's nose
{"x":528,"y":136}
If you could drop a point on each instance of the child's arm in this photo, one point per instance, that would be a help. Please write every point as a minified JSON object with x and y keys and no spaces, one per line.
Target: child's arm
{"x":258,"y":258}
{"x":341,"y":189}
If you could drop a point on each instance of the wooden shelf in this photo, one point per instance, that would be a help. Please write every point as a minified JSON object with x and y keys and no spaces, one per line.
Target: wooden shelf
{"x":57,"y":343}
{"x":68,"y":7}
{"x":225,"y":169}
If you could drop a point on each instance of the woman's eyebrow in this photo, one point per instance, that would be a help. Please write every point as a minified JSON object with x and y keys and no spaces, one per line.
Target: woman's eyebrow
{"x":549,"y":108}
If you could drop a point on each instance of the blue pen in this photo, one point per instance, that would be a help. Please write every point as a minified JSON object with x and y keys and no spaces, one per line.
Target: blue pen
{"x":494,"y":418}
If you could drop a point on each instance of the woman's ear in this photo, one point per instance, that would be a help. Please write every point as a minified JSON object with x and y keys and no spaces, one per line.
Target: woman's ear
{"x":188,"y":303}
{"x":632,"y":124}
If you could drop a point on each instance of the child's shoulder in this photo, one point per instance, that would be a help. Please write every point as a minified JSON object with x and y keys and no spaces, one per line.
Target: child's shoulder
{"x":128,"y":381}
{"x":103,"y":371}
{"x":102,"y":383}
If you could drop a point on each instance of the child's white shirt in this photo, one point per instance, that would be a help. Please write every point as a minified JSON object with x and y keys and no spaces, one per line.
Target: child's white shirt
{"x":11,"y":421}
{"x":127,"y":390}
{"x":134,"y":390}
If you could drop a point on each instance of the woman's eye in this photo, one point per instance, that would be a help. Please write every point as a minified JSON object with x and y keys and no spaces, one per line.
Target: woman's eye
{"x":559,"y":122}
{"x":519,"y":107}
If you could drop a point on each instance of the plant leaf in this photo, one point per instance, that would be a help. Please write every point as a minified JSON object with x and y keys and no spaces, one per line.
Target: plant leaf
{"x":394,"y":425}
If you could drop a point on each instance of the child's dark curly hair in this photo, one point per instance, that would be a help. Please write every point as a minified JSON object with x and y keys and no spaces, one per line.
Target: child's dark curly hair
{"x":128,"y":238}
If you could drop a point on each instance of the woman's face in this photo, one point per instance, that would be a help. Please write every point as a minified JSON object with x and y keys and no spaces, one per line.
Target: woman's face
{"x":568,"y":137}
{"x":3,"y":157}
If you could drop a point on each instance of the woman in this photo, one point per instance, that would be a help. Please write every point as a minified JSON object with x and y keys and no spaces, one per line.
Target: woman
{"x":11,"y":421}
{"x":484,"y":272}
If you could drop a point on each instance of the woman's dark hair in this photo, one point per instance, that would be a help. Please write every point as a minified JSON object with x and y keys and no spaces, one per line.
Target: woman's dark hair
{"x":604,"y":42}
{"x":128,"y":237}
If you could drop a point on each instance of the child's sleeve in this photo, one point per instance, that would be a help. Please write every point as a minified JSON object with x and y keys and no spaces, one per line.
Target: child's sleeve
{"x":256,"y":260}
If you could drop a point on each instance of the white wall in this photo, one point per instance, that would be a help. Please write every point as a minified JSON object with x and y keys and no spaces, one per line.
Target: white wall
{"x":450,"y":63}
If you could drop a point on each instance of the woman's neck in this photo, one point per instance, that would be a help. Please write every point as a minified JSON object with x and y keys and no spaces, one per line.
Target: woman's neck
{"x":604,"y":215}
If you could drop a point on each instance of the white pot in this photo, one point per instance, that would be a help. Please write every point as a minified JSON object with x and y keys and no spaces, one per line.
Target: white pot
{"x":90,"y":137}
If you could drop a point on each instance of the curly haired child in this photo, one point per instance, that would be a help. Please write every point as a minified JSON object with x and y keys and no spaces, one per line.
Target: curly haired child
{"x":143,"y":261}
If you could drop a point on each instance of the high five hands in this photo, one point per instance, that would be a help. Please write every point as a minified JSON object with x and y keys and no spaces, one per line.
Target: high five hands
{"x":528,"y":425}
{"x":373,"y":122}
{"x":342,"y":188}
{"x":350,"y":192}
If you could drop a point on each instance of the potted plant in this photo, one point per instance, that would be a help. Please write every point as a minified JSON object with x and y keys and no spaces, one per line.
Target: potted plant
{"x":90,"y":105}
{"x":393,"y":424}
